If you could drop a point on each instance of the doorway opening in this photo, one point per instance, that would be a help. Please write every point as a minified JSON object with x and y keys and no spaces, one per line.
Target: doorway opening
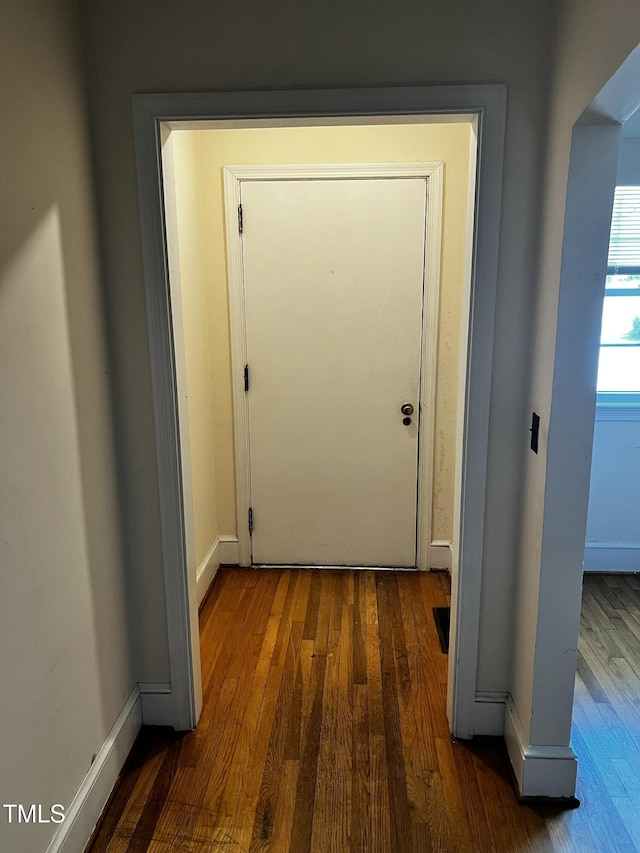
{"x":160,"y":122}
{"x":612,"y":536}
{"x":607,"y":682}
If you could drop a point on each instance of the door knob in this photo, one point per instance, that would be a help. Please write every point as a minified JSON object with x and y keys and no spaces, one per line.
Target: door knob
{"x":406,"y":409}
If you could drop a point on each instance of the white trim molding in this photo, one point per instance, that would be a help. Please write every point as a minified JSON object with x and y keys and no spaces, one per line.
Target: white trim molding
{"x":610,"y":412}
{"x":484,"y":104}
{"x":228,"y":548}
{"x":489,"y":713}
{"x":612,"y":557}
{"x":86,"y":807}
{"x":156,"y":703}
{"x":223,"y":552}
{"x":433,"y":173}
{"x":440,"y":554}
{"x":540,"y":771}
{"x":182,"y":613}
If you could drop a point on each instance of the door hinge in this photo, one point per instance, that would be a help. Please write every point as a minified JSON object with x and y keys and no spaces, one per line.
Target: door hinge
{"x":250,"y":522}
{"x":246,"y":377}
{"x":240,"y":221}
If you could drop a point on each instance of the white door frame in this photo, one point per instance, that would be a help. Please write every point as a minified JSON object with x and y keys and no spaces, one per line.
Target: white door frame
{"x":488,"y":104}
{"x":433,"y":173}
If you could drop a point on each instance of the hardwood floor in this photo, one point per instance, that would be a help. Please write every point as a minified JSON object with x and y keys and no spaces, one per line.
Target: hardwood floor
{"x":324,"y":729}
{"x":606,"y":714}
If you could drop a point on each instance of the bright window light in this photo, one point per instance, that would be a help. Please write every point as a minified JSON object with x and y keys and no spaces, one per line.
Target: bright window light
{"x":619,"y":364}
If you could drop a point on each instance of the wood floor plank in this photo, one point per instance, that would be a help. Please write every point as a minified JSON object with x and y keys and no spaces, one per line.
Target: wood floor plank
{"x":236,"y":683}
{"x":273,"y":766}
{"x":147,"y":824}
{"x":592,"y":724}
{"x":629,"y":814}
{"x":214,"y":765}
{"x":122,"y":796}
{"x":294,"y":724}
{"x":280,"y":649}
{"x":302,"y":825}
{"x":399,"y":814}
{"x":360,"y":839}
{"x":399,"y":642}
{"x":418,"y":738}
{"x":192,"y":786}
{"x":591,"y":682}
{"x":285,"y":805}
{"x":313,"y":603}
{"x":332,"y":806}
{"x":359,"y":632}
{"x":428,"y":667}
{"x":123,"y":826}
{"x":237,"y":829}
{"x":378,"y":774}
{"x":628,"y":642}
{"x":301,"y":595}
{"x":497,"y":826}
{"x":476,"y":823}
{"x":460,"y":833}
{"x":607,"y":830}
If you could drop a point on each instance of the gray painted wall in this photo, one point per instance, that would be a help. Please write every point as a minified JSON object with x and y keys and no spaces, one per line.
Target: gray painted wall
{"x":64,"y":649}
{"x":192,"y":46}
{"x":613,"y":532}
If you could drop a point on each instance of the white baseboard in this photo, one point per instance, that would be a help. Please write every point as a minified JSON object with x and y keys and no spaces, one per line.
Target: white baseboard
{"x":612,"y":557}
{"x":488,"y":713}
{"x":440,"y":554}
{"x":83,"y":813}
{"x":223,"y":552}
{"x":540,"y":771}
{"x":229,"y":554}
{"x":156,"y":701}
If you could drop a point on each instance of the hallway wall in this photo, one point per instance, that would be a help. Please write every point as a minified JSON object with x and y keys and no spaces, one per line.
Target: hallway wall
{"x":200,"y":346}
{"x":613,"y":539}
{"x":64,"y":651}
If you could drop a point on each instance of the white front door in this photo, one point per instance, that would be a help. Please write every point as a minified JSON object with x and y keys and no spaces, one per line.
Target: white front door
{"x":333,"y":278}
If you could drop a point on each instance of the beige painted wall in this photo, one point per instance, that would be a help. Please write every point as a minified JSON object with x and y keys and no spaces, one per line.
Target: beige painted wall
{"x":65,"y":656}
{"x":398,"y":143}
{"x":199,"y":338}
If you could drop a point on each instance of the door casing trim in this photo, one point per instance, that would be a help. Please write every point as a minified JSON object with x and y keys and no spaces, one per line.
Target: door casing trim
{"x":433,"y":174}
{"x":486,"y":102}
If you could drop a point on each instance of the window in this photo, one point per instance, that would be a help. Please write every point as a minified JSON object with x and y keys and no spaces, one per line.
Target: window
{"x":619,"y":365}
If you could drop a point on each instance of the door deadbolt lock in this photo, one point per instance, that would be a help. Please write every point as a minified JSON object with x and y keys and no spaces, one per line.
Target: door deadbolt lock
{"x":406,"y":409}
